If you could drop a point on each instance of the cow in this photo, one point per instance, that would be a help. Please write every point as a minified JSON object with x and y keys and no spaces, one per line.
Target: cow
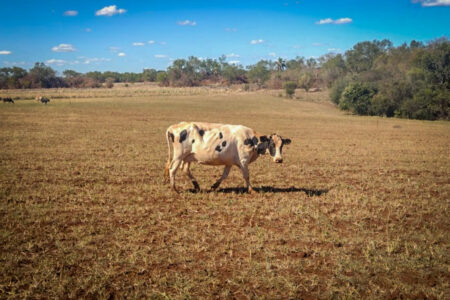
{"x":45,"y":100}
{"x":218,"y":144}
{"x":8,"y":100}
{"x":38,"y":98}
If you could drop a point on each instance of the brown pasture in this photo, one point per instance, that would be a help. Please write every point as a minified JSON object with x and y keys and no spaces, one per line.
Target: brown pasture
{"x":359,"y":208}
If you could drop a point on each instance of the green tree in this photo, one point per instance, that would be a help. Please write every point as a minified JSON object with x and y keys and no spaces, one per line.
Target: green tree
{"x":162,"y":78}
{"x":259,"y":73}
{"x":363,"y":54}
{"x":357,"y":98}
{"x":43,"y":76}
{"x":149,"y":75}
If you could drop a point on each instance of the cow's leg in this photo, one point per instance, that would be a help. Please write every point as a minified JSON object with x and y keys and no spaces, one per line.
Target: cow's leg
{"x":226,"y":171}
{"x":174,"y":165}
{"x":186,"y":166}
{"x":246,"y":175}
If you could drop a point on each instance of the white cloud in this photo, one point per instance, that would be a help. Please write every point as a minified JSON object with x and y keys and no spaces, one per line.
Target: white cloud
{"x":71,"y":13}
{"x":254,"y":42}
{"x":114,"y":49}
{"x":14,"y":63}
{"x":5,"y":52}
{"x":64,"y":48}
{"x":325,"y":21}
{"x":138,"y":44}
{"x":110,"y":11}
{"x":232,"y":55}
{"x":273,"y":54}
{"x":97,"y":60}
{"x":337,"y":21}
{"x":162,"y":43}
{"x":151,"y":42}
{"x":58,"y":62}
{"x":343,"y":21}
{"x":187,"y":23}
{"x":160,"y":56}
{"x":121,"y":54}
{"x":318,"y":44}
{"x":230,"y":29}
{"x":430,"y":3}
{"x":234,"y":62}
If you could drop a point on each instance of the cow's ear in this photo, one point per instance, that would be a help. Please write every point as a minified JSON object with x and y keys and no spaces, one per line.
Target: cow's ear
{"x":263,"y":138}
{"x":286,"y":141}
{"x":262,"y":147}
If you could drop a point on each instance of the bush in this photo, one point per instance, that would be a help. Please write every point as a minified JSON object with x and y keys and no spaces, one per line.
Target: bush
{"x":162,"y":78}
{"x":383,"y":106}
{"x":357,"y":98}
{"x":337,"y":90}
{"x":290,"y":87}
{"x":306,"y":81}
{"x":427,"y":104}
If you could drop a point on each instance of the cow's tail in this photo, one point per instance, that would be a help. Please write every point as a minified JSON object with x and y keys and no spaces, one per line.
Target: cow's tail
{"x":169,"y":137}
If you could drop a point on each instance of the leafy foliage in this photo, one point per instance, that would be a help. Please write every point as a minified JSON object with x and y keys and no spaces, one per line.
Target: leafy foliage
{"x":290,"y":87}
{"x":407,"y":81}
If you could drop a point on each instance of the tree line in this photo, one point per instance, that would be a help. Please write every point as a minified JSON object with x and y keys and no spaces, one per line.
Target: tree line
{"x":372,"y":78}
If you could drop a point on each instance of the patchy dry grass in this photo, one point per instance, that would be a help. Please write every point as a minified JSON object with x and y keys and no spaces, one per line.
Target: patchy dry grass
{"x":359,"y":209}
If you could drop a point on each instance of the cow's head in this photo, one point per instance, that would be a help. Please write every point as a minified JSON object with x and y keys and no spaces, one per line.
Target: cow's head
{"x":275,"y":145}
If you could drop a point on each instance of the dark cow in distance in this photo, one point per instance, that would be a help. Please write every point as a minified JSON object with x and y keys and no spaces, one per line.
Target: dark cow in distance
{"x":8,"y":100}
{"x":44,"y":100}
{"x":218,"y":144}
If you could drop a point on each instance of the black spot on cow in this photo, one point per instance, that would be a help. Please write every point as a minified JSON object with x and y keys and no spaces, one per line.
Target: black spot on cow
{"x":172,"y":137}
{"x":272,"y":147}
{"x":218,"y":149}
{"x":248,"y":142}
{"x":251,"y":141}
{"x":262,"y":147}
{"x":220,"y":135}
{"x":193,"y":141}
{"x":201,"y":132}
{"x":224,"y":143}
{"x":183,"y":135}
{"x":255,"y":141}
{"x":263,"y":138}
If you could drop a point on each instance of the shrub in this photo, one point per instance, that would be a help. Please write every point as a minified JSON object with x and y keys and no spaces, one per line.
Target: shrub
{"x":306,"y":81}
{"x":337,"y":90}
{"x":290,"y":87}
{"x":357,"y":98}
{"x":162,"y":78}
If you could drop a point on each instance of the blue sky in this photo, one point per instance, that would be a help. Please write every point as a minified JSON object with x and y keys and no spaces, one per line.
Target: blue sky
{"x":127,"y":36}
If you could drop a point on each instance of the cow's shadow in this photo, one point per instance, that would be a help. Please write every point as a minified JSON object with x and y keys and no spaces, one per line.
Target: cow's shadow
{"x":268,"y":189}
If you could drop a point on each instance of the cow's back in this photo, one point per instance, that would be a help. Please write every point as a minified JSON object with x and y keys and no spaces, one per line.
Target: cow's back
{"x":220,"y":145}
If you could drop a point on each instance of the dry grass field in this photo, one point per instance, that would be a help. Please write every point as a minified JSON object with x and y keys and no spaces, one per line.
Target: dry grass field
{"x":359,"y":208}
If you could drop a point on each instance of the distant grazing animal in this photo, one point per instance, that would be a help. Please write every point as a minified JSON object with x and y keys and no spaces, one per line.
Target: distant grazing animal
{"x":44,"y":100}
{"x":8,"y":100}
{"x":218,"y":144}
{"x":38,"y":98}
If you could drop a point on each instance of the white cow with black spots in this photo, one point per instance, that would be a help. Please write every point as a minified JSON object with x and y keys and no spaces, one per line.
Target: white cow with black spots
{"x":218,"y":144}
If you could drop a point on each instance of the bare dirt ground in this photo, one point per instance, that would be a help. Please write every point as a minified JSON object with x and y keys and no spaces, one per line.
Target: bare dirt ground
{"x":359,"y":208}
